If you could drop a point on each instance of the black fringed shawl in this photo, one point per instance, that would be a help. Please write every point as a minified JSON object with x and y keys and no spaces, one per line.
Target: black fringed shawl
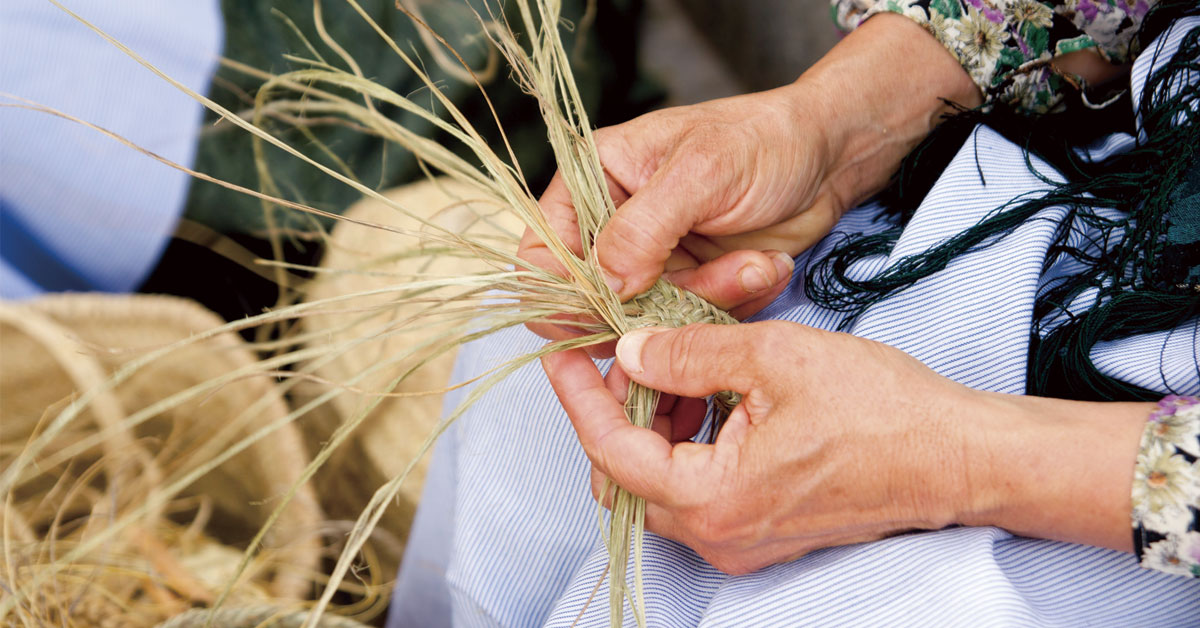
{"x":1148,"y":277}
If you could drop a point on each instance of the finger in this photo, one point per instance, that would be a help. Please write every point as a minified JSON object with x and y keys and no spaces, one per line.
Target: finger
{"x":596,"y":480}
{"x":792,"y":235}
{"x":618,"y":383}
{"x":684,"y":415}
{"x":659,"y":519}
{"x":662,"y":426}
{"x":678,"y":428}
{"x":634,"y":457}
{"x":686,"y":418}
{"x":536,"y":255}
{"x":559,"y":333}
{"x":687,"y":190}
{"x":663,"y":522}
{"x":681,"y":259}
{"x":563,"y":220}
{"x":738,"y":278}
{"x":603,"y":488}
{"x":560,"y":327}
{"x":602,"y":351}
{"x":750,"y":308}
{"x":699,"y":360}
{"x":559,"y":213}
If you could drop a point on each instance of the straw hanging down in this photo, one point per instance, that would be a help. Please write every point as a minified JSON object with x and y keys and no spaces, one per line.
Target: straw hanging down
{"x":545,"y":73}
{"x":541,"y":66}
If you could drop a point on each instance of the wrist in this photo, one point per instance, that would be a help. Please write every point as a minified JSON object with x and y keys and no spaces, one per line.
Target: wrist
{"x":879,"y":92}
{"x":1054,"y":469}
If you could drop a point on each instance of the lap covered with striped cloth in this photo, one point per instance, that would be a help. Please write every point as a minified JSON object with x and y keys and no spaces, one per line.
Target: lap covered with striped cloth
{"x":507,"y":531}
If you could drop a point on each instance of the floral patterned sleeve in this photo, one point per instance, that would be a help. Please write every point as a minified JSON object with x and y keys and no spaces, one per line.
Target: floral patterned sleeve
{"x":1007,"y":46}
{"x":1166,"y":489}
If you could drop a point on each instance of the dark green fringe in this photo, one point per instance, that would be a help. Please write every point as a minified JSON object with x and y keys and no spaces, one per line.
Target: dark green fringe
{"x":1147,"y":281}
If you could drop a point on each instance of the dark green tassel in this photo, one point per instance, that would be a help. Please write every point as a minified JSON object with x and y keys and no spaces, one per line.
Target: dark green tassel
{"x":1147,"y":281}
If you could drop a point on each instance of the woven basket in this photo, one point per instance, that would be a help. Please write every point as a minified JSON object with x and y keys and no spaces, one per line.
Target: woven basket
{"x":392,"y":434}
{"x":57,"y":346}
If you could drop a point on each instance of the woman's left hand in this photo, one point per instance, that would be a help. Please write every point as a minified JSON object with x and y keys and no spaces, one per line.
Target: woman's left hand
{"x":840,"y":440}
{"x":837,"y":439}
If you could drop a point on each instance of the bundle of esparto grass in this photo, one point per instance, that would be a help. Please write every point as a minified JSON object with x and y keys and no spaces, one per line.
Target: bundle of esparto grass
{"x":448,"y":310}
{"x":170,"y":555}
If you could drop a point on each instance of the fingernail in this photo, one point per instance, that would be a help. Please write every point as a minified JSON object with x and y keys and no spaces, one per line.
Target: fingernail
{"x":629,"y":348}
{"x":622,"y":395}
{"x":783,"y":263}
{"x":614,"y":283}
{"x":753,"y":279}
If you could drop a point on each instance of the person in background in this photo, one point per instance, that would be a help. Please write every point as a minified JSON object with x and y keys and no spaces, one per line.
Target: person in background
{"x":79,"y":211}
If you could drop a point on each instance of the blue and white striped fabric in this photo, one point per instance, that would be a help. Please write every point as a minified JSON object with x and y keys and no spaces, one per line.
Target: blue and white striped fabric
{"x":507,"y":530}
{"x":79,"y":211}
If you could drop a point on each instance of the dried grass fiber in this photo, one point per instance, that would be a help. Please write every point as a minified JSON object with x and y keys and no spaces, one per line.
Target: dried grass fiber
{"x":391,"y":435}
{"x":56,"y":346}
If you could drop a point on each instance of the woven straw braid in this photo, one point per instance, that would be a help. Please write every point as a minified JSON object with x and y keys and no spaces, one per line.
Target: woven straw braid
{"x":668,"y":305}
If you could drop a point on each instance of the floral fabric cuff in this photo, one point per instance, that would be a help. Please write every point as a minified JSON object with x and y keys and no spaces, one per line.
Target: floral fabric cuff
{"x":1007,"y":46}
{"x":1166,"y":489}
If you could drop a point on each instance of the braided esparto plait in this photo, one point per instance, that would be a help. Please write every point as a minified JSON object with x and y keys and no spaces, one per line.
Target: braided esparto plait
{"x":668,"y":305}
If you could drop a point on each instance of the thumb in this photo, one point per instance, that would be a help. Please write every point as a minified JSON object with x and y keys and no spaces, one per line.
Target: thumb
{"x":696,"y":360}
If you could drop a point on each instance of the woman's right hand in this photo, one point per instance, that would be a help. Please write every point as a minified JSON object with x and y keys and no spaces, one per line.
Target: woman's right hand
{"x":721,"y":195}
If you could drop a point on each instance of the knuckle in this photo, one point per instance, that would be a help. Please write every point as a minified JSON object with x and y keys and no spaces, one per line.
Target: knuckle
{"x":599,"y":454}
{"x":705,"y":160}
{"x":716,"y":150}
{"x":680,"y":351}
{"x":612,"y":142}
{"x":727,"y":564}
{"x":732,"y":561}
{"x":605,"y":135}
{"x":642,"y":233}
{"x":623,"y":158}
{"x":620,"y":153}
{"x":763,"y":340}
{"x":760,"y":334}
{"x":712,"y":528}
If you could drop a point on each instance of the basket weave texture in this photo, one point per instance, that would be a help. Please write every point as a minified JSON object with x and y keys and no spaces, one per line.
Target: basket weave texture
{"x":393,"y":432}
{"x":55,"y":347}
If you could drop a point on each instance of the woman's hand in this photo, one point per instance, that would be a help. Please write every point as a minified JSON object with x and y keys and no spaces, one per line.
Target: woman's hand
{"x":837,"y":439}
{"x":736,"y":168}
{"x":841,"y":440}
{"x":721,"y":195}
